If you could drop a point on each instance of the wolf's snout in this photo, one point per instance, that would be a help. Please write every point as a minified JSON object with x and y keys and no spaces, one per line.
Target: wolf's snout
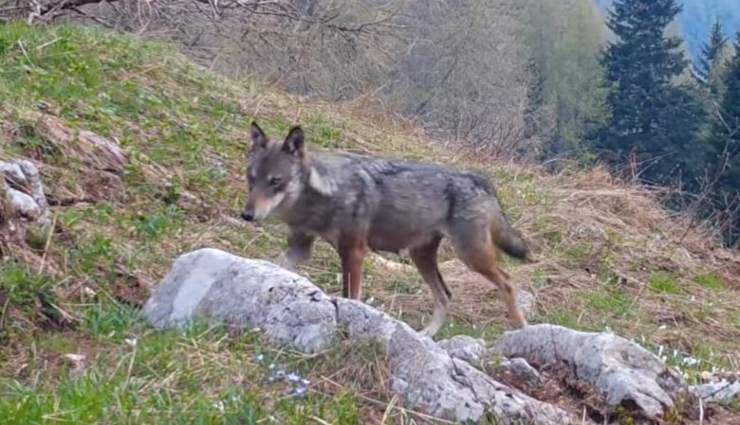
{"x":247,"y":216}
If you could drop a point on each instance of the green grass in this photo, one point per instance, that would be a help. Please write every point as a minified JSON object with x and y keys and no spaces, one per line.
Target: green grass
{"x":455,"y":327}
{"x":161,"y":378}
{"x":55,"y":66}
{"x":563,"y":317}
{"x":691,"y":361}
{"x":578,"y":253}
{"x":609,"y":300}
{"x":23,"y":287}
{"x":110,"y":321}
{"x":664,"y":283}
{"x":735,"y":319}
{"x":403,"y":286}
{"x":710,"y":281}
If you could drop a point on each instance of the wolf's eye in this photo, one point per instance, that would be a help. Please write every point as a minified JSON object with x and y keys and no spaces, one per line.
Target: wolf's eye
{"x":274,"y":181}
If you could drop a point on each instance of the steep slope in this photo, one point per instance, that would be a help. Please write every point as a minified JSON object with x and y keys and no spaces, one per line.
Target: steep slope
{"x":73,"y":347}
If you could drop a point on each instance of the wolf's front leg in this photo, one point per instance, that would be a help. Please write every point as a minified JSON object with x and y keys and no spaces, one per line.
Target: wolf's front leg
{"x":352,"y":251}
{"x":299,"y":250}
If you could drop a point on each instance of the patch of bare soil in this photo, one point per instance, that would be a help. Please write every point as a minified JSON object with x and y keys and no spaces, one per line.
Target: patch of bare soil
{"x":129,"y":288}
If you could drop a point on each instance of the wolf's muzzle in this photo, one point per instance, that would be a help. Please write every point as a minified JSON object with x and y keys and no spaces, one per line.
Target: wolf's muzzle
{"x":247,"y":216}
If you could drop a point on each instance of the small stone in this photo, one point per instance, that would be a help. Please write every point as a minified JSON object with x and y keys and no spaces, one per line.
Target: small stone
{"x":519,"y":369}
{"x":298,"y":392}
{"x":718,"y":392}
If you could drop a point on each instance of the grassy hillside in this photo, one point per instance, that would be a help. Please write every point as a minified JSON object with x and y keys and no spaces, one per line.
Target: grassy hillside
{"x":73,"y":349}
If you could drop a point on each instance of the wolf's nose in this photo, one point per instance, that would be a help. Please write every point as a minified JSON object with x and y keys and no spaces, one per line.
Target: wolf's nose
{"x":247,"y":216}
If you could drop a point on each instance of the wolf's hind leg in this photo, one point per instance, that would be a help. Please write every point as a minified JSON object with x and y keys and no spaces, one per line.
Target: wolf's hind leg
{"x":425,"y":259}
{"x":474,"y":246}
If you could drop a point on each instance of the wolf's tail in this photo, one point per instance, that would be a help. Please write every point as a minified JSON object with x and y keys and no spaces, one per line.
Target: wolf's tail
{"x":506,"y":237}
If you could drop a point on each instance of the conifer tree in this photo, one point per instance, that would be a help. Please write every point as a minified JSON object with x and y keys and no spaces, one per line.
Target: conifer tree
{"x":711,"y":52}
{"x":725,"y":144}
{"x":650,"y":116}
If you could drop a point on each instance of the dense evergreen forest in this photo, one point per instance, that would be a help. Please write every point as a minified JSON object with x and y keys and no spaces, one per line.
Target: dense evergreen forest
{"x":673,"y":122}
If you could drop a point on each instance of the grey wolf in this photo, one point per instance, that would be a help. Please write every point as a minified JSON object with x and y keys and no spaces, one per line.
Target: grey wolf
{"x":360,"y":203}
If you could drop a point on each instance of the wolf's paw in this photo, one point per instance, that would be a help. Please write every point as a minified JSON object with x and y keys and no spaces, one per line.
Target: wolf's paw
{"x":283,"y":261}
{"x":428,"y":332}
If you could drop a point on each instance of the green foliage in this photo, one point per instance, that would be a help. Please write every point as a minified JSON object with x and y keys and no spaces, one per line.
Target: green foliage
{"x":402,"y":286}
{"x":29,"y":294}
{"x":735,"y":319}
{"x":564,"y":38}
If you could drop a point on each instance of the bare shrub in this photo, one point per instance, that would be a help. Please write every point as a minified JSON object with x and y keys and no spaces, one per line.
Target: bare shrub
{"x":464,"y":73}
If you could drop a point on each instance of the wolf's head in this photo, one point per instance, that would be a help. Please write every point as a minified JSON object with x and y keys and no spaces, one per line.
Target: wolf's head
{"x":276,"y":173}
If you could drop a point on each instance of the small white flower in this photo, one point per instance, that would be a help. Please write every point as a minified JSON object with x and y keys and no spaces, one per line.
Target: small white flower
{"x":131,"y":341}
{"x":691,"y":361}
{"x":75,"y":357}
{"x":299,"y":392}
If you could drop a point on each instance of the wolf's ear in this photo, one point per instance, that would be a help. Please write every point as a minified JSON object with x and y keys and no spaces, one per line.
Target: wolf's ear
{"x":259,"y":140}
{"x":294,"y":142}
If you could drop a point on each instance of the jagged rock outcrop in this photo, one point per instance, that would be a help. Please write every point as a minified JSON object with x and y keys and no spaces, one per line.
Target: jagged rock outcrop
{"x":101,"y":160}
{"x":431,"y":380}
{"x":93,"y":150}
{"x":448,"y":379}
{"x":475,"y":352}
{"x":23,"y":192}
{"x":218,"y":286}
{"x":622,"y":372}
